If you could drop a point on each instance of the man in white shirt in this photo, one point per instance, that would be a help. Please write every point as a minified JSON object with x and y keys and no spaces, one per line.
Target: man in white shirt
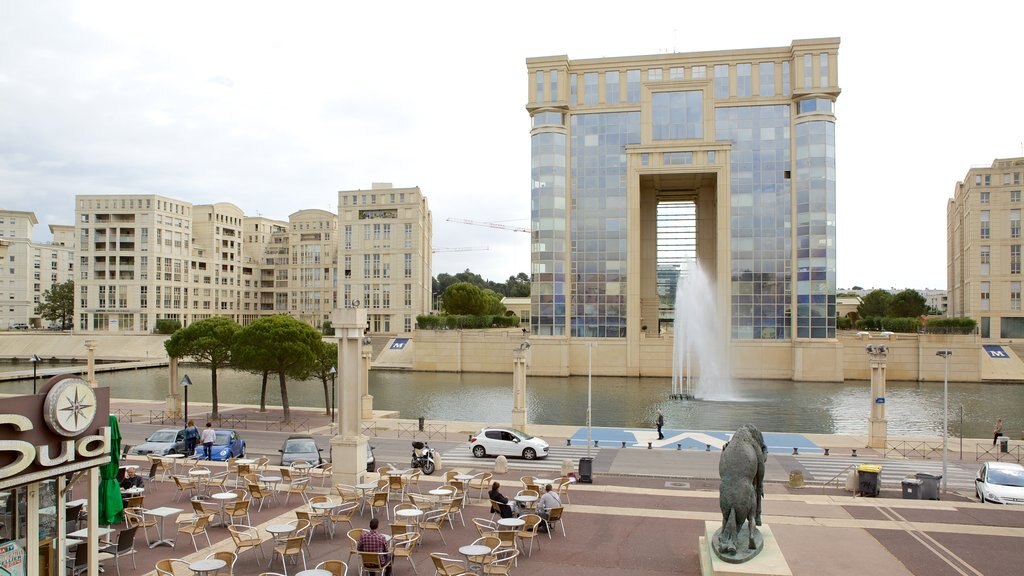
{"x":208,"y":436}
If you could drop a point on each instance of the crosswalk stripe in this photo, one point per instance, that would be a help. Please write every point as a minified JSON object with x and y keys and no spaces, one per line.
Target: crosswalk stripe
{"x":462,"y":456}
{"x":823,"y":469}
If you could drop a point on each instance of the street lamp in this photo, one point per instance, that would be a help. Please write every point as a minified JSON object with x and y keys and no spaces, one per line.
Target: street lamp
{"x":186,"y":382}
{"x":334,"y":375}
{"x":945,"y":354}
{"x":35,"y":360}
{"x":590,"y":365}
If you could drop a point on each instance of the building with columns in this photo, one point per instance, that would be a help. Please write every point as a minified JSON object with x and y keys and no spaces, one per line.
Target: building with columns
{"x":30,"y":268}
{"x":643,"y":165}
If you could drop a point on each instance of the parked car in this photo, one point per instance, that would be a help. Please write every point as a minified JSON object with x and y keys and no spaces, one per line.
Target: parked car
{"x":19,"y":326}
{"x":1000,"y":482}
{"x":371,"y":461}
{"x":509,"y":442}
{"x":227,"y":445}
{"x":300,"y":447}
{"x":162,"y":442}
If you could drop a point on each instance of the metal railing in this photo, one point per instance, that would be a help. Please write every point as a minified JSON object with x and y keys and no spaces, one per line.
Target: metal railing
{"x":293,"y":425}
{"x":410,"y":428}
{"x":914,"y":449}
{"x":842,"y":473}
{"x":125,"y":415}
{"x":163,"y":417}
{"x":437,"y":430}
{"x":995,"y":453}
{"x":370,"y":428}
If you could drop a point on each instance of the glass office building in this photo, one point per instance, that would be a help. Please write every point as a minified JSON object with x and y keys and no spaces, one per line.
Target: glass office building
{"x":741,"y":141}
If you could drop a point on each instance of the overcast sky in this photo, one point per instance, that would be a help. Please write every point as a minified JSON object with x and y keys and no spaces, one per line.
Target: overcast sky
{"x":277,"y":106}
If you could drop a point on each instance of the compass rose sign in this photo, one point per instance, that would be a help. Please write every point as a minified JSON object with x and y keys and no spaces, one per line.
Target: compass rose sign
{"x":70,"y":407}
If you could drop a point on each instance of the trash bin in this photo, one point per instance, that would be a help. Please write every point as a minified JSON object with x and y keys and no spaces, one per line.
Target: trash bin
{"x":1004,"y":444}
{"x":867,"y":484}
{"x":586,"y":470}
{"x":929,"y":485}
{"x":421,"y":423}
{"x":911,"y":489}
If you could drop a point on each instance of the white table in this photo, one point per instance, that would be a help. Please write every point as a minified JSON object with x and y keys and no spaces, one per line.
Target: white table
{"x":543,"y":482}
{"x":527,"y":502}
{"x":174,"y":460}
{"x":315,"y":572}
{"x":409,"y":515}
{"x":162,"y":513}
{"x":270,"y":481}
{"x":514,"y":523}
{"x":132,"y":491}
{"x":324,"y":509}
{"x":280,"y":531}
{"x":363,"y":488}
{"x":246,"y":461}
{"x":84,"y":532}
{"x":474,"y":554}
{"x":204,"y":567}
{"x":223,"y":498}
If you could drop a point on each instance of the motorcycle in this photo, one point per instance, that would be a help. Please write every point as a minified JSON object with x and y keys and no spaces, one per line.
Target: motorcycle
{"x":423,"y":457}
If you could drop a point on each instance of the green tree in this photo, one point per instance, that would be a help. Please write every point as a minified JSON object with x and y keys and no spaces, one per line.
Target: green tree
{"x":518,"y":286}
{"x":908,"y":304}
{"x":492,"y":303}
{"x":280,"y":345}
{"x":58,"y":303}
{"x":464,"y":298}
{"x":874,"y":303}
{"x":208,"y":342}
{"x":326,"y":358}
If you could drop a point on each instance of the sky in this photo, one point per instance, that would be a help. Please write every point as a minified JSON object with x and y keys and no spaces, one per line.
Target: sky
{"x":276,"y":106}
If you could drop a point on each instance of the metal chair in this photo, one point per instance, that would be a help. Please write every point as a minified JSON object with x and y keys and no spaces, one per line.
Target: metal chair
{"x":403,"y":545}
{"x":447,"y":566}
{"x":195,"y":526}
{"x":227,"y":556}
{"x":245,"y":538}
{"x":529,"y":530}
{"x":335,"y":567}
{"x":555,"y":517}
{"x":291,"y":546}
{"x":125,"y":546}
{"x":374,"y":563}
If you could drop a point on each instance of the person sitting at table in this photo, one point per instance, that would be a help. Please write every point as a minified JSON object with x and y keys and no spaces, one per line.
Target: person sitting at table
{"x":131,"y":480}
{"x":373,"y":541}
{"x":497,"y":496}
{"x":548,"y":501}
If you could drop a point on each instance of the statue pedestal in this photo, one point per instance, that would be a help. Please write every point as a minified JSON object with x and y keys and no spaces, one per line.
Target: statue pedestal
{"x":769,"y":562}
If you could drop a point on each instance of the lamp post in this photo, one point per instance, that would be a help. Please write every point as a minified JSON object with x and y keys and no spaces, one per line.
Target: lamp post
{"x":945,"y":354}
{"x":186,"y":382}
{"x":334,"y":376}
{"x":590,"y":366}
{"x":35,"y":360}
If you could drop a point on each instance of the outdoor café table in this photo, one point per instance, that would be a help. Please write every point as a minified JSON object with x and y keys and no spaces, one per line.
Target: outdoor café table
{"x":133,"y":491}
{"x":409,"y":516}
{"x":527,"y":501}
{"x":301,"y":468}
{"x":475,"y":554}
{"x":162,"y":513}
{"x":84,"y":532}
{"x":542,"y":482}
{"x":204,"y":567}
{"x":315,"y":572}
{"x":324,"y":509}
{"x":440,"y":493}
{"x":174,"y":460}
{"x":201,"y":476}
{"x":223,"y":498}
{"x":245,"y":460}
{"x":270,"y":481}
{"x":280,"y":531}
{"x":363,"y":488}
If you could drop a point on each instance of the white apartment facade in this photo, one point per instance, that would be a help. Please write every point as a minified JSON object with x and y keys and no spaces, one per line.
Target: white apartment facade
{"x":29,"y":268}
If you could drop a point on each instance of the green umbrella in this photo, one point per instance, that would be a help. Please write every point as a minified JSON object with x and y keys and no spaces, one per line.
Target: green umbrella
{"x":110,"y":493}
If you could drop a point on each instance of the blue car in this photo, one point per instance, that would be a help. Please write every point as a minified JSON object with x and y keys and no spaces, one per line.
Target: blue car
{"x":228,"y":445}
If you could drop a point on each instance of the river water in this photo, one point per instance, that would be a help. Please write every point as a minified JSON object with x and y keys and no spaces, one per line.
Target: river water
{"x":772,"y":405}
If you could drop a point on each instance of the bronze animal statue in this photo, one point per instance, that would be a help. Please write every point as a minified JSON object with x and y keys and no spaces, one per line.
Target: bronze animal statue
{"x":741,"y":469}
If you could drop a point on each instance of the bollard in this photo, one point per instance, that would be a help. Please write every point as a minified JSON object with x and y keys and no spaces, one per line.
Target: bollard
{"x":623,"y":443}
{"x":795,"y":451}
{"x":679,"y":446}
{"x":438,"y":463}
{"x":595,"y":444}
{"x":826,"y":451}
{"x":854,"y":452}
{"x":707,"y":447}
{"x":500,"y":464}
{"x":796,"y":479}
{"x":566,"y":466}
{"x":648,"y":445}
{"x":568,"y":441}
{"x":422,"y":419}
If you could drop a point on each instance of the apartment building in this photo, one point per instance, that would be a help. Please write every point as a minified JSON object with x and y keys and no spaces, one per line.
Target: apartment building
{"x":28,"y":269}
{"x":313,"y":265}
{"x":983,"y":238}
{"x":266,"y":249}
{"x":385,"y":255}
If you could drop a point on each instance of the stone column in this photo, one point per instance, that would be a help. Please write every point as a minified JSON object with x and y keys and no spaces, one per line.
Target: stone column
{"x":90,"y":346}
{"x":348,"y":447}
{"x":519,"y":386}
{"x":364,"y":379}
{"x":173,"y":404}
{"x":877,"y":423}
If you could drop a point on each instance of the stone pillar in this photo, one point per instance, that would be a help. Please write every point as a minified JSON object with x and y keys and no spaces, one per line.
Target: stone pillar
{"x":90,"y":346}
{"x":877,"y":423}
{"x":172,"y":406}
{"x":364,"y":379}
{"x":519,"y":386}
{"x":348,"y":447}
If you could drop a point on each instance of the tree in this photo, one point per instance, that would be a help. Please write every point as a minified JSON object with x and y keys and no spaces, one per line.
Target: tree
{"x":492,"y":303}
{"x":464,"y":298}
{"x":875,"y":303}
{"x":58,"y":303}
{"x":908,"y":304}
{"x":280,"y":345}
{"x":208,"y":342}
{"x":326,"y":358}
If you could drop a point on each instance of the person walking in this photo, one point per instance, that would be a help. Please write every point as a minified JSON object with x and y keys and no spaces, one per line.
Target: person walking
{"x":998,"y":431}
{"x":208,"y":437}
{"x":191,"y":438}
{"x":660,"y":421}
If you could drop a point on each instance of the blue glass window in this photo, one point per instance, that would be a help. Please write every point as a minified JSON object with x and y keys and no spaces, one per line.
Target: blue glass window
{"x":744,"y":88}
{"x":548,"y":211}
{"x":677,"y":158}
{"x":823,"y":66}
{"x":547,"y":118}
{"x":632,"y":86}
{"x":654,"y":74}
{"x":766,"y":79}
{"x":815,"y":229}
{"x":721,"y":81}
{"x":590,"y":88}
{"x":572,"y":89}
{"x":611,"y":87}
{"x":786,"y":89}
{"x":677,"y":115}
{"x":554,"y":85}
{"x":815,"y":105}
{"x":808,"y":70}
{"x":539,"y":95}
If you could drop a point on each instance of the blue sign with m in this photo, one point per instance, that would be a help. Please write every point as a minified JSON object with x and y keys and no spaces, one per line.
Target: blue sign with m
{"x":995,"y":351}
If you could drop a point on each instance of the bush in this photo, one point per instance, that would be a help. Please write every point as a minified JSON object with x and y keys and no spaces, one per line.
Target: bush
{"x":327,"y":329}
{"x":950,"y":326}
{"x":167,"y":326}
{"x":905,"y":325}
{"x":844,"y":323}
{"x":465,"y":322}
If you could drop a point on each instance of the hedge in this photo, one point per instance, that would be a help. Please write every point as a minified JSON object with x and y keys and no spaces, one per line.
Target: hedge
{"x":465,"y":322}
{"x":905,"y":325}
{"x":950,"y":326}
{"x":167,"y":326}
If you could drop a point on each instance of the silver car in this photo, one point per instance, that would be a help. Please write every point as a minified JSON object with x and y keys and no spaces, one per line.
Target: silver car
{"x":162,"y":442}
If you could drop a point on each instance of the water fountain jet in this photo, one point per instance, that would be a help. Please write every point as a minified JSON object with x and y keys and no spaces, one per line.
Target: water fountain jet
{"x":699,"y":366}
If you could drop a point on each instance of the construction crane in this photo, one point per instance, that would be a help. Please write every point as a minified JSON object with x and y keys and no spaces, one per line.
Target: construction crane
{"x":461,"y":249}
{"x":490,"y":225}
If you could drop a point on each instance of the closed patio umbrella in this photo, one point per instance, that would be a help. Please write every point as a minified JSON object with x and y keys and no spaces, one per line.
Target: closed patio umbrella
{"x":110,"y":493}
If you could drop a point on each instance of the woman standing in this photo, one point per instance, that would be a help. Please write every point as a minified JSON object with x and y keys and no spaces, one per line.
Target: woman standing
{"x":998,"y":431}
{"x":191,"y":438}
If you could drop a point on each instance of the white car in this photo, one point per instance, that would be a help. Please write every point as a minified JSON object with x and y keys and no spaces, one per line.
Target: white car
{"x":508,"y":442}
{"x":1000,"y":482}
